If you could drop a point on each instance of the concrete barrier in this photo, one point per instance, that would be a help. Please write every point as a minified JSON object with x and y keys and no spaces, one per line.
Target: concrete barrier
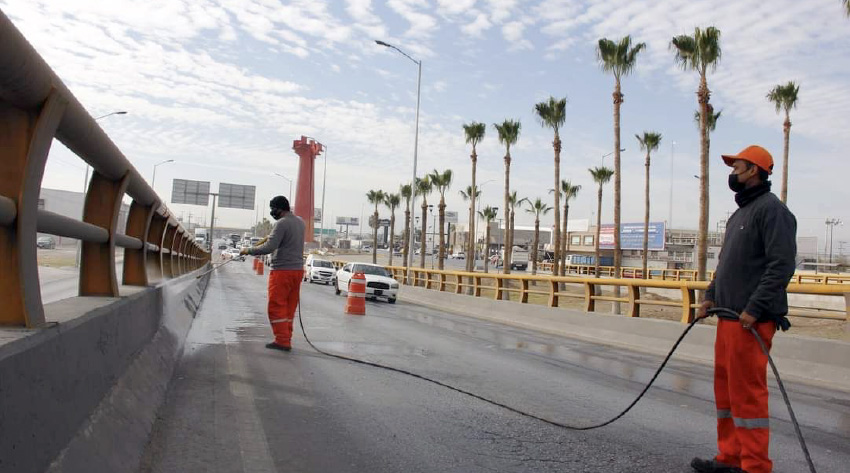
{"x":82,"y":393}
{"x":804,"y":359}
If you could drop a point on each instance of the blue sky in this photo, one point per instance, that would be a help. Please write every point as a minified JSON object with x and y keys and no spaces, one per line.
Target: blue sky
{"x":223,"y":87}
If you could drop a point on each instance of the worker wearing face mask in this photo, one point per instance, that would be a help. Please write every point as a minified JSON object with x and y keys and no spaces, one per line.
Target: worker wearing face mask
{"x":286,"y":245}
{"x":756,"y":263}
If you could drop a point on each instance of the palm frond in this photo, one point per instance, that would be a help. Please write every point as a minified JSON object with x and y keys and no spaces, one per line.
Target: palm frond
{"x":509,"y":131}
{"x":619,"y":58}
{"x":601,"y":174}
{"x":474,"y":132}
{"x":650,"y":140}
{"x":710,"y":120}
{"x":784,"y":96}
{"x":552,"y":113}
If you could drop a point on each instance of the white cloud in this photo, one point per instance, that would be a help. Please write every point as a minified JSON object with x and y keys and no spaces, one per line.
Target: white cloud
{"x":422,"y":25}
{"x":478,"y":26}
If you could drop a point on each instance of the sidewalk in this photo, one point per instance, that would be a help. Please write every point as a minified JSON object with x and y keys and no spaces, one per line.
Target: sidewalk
{"x":815,"y":361}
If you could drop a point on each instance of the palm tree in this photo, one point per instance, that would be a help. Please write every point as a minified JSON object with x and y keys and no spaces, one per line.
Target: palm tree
{"x":513,"y":202}
{"x":784,"y":97}
{"x":701,"y":53}
{"x":620,"y":59}
{"x":569,"y":192}
{"x":537,"y":208}
{"x":648,"y":142}
{"x":377,"y":198}
{"x":474,"y":134}
{"x":601,"y":175}
{"x":423,"y":188}
{"x":468,"y":196}
{"x":508,"y":135}
{"x":846,"y":7}
{"x":488,"y":214}
{"x":442,"y":181}
{"x":552,"y":114}
{"x":392,"y":201}
{"x":406,"y":191}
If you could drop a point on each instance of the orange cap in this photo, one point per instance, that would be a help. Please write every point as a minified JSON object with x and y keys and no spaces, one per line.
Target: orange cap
{"x":754,"y":154}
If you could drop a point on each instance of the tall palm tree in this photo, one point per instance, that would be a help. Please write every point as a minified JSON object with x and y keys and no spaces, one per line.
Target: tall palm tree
{"x":601,"y":175}
{"x":784,"y":97}
{"x":846,"y":7}
{"x":423,"y":188}
{"x":701,"y":53}
{"x":442,"y":181}
{"x":474,"y":134}
{"x":392,"y":201}
{"x":468,"y":196}
{"x":406,"y":192}
{"x":552,"y":114}
{"x":508,"y":135}
{"x":377,"y":198}
{"x":619,"y":58}
{"x":537,"y":208}
{"x":648,"y":142}
{"x":488,"y":214}
{"x":569,"y":192}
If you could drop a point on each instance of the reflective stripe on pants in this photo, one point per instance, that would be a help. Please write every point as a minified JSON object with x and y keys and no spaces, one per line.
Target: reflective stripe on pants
{"x":284,"y":291}
{"x":740,"y":392}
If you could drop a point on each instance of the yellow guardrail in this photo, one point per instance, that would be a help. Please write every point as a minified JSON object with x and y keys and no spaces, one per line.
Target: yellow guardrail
{"x":554,"y":288}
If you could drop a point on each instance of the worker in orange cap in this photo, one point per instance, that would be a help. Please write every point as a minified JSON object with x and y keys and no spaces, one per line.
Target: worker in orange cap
{"x":756,"y":263}
{"x":286,"y":245}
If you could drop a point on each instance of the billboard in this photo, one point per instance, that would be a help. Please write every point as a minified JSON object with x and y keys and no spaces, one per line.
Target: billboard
{"x":190,"y":192}
{"x":451,"y":217}
{"x":317,"y":214}
{"x":347,"y":221}
{"x":236,"y":196}
{"x":631,"y":236}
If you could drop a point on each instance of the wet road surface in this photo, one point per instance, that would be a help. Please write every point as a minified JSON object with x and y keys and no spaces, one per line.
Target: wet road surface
{"x":235,"y":406}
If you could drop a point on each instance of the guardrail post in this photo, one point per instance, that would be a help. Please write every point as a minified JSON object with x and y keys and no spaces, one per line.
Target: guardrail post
{"x":847,"y":311}
{"x":688,"y":300}
{"x":25,"y":138}
{"x":156,"y":233}
{"x":553,"y":293}
{"x":135,"y":261}
{"x":589,"y":292}
{"x":458,"y":284}
{"x":442,"y":282}
{"x":167,"y":244}
{"x":477,"y":286}
{"x":97,"y":260}
{"x":498,"y":281}
{"x":634,"y":295}
{"x":524,"y":294}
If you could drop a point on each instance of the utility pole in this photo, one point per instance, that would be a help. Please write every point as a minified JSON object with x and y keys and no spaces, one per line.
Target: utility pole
{"x":212,"y":224}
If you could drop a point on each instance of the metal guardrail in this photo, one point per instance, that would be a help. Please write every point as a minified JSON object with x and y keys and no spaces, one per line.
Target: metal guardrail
{"x":35,"y":108}
{"x":554,"y":289}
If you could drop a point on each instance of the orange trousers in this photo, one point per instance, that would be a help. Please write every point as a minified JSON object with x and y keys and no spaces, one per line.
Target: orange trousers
{"x":740,"y":393}
{"x":284,"y":291}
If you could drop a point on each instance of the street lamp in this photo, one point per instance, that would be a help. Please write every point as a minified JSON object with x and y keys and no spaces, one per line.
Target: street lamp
{"x":122,"y":112}
{"x":830,"y":227}
{"x":153,"y":179}
{"x":415,"y":148}
{"x":609,"y":154}
{"x":478,"y":202}
{"x":290,"y":185}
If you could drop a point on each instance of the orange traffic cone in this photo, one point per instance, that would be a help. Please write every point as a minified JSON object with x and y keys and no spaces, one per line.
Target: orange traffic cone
{"x":260,"y":267}
{"x":255,"y":264}
{"x":356,"y":304}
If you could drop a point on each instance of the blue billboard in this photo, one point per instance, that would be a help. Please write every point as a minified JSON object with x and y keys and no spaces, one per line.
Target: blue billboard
{"x":631,"y":236}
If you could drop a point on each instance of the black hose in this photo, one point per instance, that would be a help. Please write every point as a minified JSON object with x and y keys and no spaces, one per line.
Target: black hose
{"x":732,"y":315}
{"x":496,"y":403}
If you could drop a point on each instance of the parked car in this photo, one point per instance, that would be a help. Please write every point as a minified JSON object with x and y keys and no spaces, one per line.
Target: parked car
{"x":458,"y":255}
{"x":46,"y":242}
{"x":319,"y":270}
{"x":379,"y":282}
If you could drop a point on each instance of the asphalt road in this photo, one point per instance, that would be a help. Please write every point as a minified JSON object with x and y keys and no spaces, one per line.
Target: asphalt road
{"x":235,"y":406}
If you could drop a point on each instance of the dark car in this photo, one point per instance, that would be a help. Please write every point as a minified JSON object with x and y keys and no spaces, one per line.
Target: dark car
{"x":47,"y":243}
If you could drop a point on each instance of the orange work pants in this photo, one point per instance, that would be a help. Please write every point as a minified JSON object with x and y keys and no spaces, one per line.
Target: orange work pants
{"x":740,"y":393}
{"x":284,"y":291}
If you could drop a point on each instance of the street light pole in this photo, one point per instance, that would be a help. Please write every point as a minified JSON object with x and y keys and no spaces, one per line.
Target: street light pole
{"x":409,"y":261}
{"x":609,"y":154}
{"x":153,"y":179}
{"x":478,"y":202}
{"x":290,"y":185}
{"x":670,"y":208}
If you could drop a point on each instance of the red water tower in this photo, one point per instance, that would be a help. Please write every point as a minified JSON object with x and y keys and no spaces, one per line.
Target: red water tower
{"x":307,"y":150}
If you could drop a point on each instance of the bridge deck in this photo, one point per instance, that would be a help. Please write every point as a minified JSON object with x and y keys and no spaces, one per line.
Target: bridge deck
{"x":236,"y":406}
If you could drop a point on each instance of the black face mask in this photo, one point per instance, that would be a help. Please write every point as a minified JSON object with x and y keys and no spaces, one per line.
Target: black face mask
{"x":276,"y":214}
{"x":735,"y":184}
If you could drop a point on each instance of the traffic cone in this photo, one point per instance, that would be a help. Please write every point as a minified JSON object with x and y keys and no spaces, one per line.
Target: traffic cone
{"x":356,"y":304}
{"x":255,"y":264}
{"x":260,"y":267}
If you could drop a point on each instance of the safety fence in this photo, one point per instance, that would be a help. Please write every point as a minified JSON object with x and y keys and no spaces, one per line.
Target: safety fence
{"x":35,"y":108}
{"x":554,"y":288}
{"x":520,"y":287}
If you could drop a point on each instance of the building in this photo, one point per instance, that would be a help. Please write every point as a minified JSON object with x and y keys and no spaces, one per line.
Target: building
{"x":70,"y":204}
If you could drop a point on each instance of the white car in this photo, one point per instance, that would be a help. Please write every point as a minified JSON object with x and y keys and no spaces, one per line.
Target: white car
{"x":379,"y":282}
{"x":319,"y":271}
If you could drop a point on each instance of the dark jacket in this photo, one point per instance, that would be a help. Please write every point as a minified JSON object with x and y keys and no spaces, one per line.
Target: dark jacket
{"x":757,"y":258}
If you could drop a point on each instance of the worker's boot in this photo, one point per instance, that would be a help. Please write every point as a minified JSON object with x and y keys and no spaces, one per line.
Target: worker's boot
{"x":713,"y":466}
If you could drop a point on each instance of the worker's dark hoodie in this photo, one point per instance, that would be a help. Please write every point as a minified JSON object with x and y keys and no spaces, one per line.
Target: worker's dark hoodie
{"x":757,"y":258}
